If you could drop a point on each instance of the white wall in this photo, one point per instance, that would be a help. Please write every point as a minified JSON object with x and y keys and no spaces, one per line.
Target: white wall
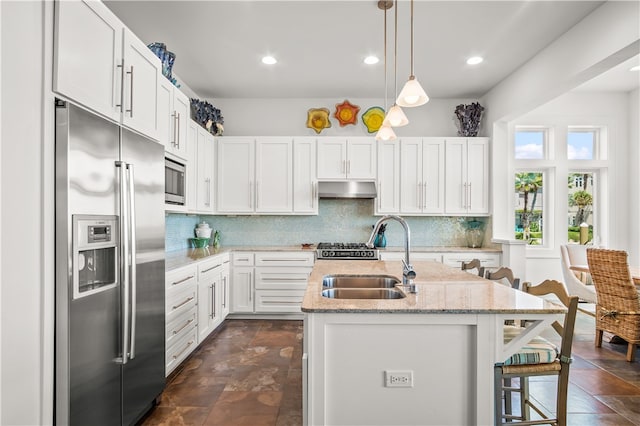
{"x":23,"y":247}
{"x":606,"y":109}
{"x":278,"y":117}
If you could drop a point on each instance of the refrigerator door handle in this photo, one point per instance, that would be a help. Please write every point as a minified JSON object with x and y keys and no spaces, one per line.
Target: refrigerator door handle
{"x":131,"y":223}
{"x":124,"y":260}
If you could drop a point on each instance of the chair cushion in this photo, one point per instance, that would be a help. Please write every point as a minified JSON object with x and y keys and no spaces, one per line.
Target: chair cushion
{"x":537,"y":351}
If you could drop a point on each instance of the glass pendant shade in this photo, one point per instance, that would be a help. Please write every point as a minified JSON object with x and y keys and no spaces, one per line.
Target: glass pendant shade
{"x":412,"y":94}
{"x":385,"y":133}
{"x":396,"y":117}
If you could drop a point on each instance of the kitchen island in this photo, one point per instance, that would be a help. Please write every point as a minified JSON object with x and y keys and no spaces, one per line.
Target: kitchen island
{"x":439,"y":345}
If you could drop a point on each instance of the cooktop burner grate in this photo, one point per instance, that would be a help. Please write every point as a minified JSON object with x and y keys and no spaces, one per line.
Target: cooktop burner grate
{"x":346,"y":251}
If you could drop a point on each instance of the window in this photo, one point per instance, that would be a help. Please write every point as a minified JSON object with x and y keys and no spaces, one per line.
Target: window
{"x":581,"y":144}
{"x":580,"y":192}
{"x":529,"y":207}
{"x":530,"y":144}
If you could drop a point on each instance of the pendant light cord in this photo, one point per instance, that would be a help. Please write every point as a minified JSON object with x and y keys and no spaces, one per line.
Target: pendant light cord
{"x":412,"y":75}
{"x":395,"y":54}
{"x":385,"y":61}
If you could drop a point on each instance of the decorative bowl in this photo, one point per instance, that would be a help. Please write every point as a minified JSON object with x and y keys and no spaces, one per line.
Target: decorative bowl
{"x":200,"y":242}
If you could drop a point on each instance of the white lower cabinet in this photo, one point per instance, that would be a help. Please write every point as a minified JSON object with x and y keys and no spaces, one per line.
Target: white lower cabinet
{"x":399,"y":255}
{"x":196,"y":298}
{"x":209,"y":296}
{"x":181,"y":315}
{"x":269,"y":282}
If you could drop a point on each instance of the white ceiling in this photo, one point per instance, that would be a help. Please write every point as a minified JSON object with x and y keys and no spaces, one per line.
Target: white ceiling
{"x":320,"y":45}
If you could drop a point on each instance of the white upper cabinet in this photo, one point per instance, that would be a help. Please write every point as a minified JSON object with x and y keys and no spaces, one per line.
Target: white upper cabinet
{"x":174,"y":117}
{"x":467,"y":181}
{"x":255,"y":175}
{"x":388,"y":185}
{"x":346,"y":158}
{"x":421,"y":176}
{"x":236,"y":174}
{"x":305,"y":184}
{"x":141,"y":79}
{"x":204,"y":170}
{"x":101,"y":65}
{"x":274,"y":175}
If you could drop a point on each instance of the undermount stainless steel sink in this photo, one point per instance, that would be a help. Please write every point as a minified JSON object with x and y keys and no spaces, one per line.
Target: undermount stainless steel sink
{"x":362,"y":293}
{"x":359,"y":281}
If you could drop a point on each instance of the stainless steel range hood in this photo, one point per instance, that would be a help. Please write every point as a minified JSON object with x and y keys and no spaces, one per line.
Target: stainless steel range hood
{"x":347,"y":189}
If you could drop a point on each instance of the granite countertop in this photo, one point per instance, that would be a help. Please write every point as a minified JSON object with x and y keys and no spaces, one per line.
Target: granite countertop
{"x":441,"y":289}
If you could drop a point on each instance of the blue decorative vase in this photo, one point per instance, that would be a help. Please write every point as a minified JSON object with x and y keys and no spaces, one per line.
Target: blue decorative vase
{"x":380,"y":241}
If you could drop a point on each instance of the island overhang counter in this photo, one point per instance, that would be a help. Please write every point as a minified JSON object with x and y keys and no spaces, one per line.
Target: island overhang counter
{"x":447,"y":338}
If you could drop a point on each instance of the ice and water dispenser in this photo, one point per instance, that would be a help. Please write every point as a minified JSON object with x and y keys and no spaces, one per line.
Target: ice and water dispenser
{"x":95,"y":254}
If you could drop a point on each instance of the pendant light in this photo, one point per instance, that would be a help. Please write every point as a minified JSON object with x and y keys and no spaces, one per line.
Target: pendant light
{"x":385,"y":132}
{"x":412,"y":94}
{"x":396,"y":117}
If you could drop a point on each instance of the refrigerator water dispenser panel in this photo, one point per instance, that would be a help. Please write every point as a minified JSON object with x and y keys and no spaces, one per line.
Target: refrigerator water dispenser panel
{"x":95,"y":254}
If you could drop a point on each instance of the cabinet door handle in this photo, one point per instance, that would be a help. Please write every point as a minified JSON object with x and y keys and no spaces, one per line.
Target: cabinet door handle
{"x":249,"y":287}
{"x":348,"y":166}
{"x":419,"y":194}
{"x":257,"y":194}
{"x":173,"y":118}
{"x":130,"y":110}
{"x":121,"y":104}
{"x":183,"y":327}
{"x":250,"y":195}
{"x":212,"y":268}
{"x":281,"y":259}
{"x":212,"y":302}
{"x":380,"y":194}
{"x":178,"y":132}
{"x":469,"y":201}
{"x":182,"y":280}
{"x":179,"y":354}
{"x":224,"y":292}
{"x":464,"y":195}
{"x":424,"y":195}
{"x":187,"y":300}
{"x":208,"y":182}
{"x":344,"y":166}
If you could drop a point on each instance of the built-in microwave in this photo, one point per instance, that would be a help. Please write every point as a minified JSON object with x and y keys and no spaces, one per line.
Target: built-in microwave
{"x":174,"y":182}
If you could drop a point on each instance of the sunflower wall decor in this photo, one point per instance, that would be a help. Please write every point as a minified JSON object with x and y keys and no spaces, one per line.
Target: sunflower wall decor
{"x":346,"y":113}
{"x":318,"y":119}
{"x":373,"y":118}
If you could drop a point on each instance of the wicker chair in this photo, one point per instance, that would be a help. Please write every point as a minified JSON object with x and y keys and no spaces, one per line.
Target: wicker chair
{"x":538,"y":350}
{"x":506,"y":274}
{"x":473,"y":264}
{"x":618,"y":305}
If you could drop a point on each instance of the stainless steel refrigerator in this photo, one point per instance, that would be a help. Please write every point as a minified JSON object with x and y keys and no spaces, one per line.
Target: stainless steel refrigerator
{"x":110,"y":328}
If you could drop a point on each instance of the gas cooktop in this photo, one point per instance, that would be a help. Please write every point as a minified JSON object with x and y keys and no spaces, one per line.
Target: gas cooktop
{"x":346,"y":251}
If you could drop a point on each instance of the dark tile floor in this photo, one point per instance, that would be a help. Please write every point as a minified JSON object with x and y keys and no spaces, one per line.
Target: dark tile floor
{"x":249,"y":373}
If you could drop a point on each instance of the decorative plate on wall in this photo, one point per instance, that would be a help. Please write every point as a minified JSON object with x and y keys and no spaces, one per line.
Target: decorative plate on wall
{"x":318,"y":119}
{"x":346,"y":113}
{"x":373,"y":118}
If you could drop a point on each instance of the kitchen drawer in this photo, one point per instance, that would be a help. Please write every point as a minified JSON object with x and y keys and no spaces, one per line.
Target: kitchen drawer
{"x":208,"y":269}
{"x":279,"y":301}
{"x":282,"y":278}
{"x":180,"y":326}
{"x":295,"y":258}
{"x":179,"y":301}
{"x":488,"y":260}
{"x":178,"y":352}
{"x":397,"y":255}
{"x":181,"y":277}
{"x":243,"y":258}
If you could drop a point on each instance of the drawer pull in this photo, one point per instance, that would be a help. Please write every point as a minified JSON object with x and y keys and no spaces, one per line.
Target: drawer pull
{"x":182,"y":280}
{"x":178,"y":355}
{"x":183,"y":327}
{"x":189,"y":299}
{"x":212,"y":268}
{"x":303,"y":280}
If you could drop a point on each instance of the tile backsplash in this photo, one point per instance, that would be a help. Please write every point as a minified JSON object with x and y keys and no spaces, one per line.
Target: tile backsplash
{"x":342,"y":220}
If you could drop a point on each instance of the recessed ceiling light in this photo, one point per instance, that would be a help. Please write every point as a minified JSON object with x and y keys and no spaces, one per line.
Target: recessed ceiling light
{"x":269,"y":60}
{"x":474,"y":60}
{"x":371,"y":60}
{"x":636,"y":68}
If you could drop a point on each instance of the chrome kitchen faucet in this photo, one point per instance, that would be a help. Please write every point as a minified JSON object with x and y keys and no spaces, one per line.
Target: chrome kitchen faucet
{"x":408,"y":274}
